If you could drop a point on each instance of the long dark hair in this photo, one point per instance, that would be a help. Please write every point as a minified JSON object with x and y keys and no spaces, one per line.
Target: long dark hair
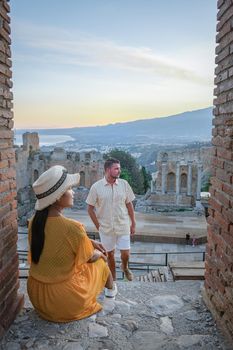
{"x":37,"y":240}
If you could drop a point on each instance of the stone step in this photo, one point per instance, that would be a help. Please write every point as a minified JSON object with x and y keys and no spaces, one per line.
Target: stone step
{"x":143,"y":316}
{"x":193,"y":270}
{"x":188,"y":274}
{"x":152,"y":276}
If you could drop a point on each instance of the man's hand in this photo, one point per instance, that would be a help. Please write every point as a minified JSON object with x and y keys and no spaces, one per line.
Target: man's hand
{"x":97,"y":255}
{"x":132,"y":217}
{"x":99,"y":246}
{"x":132,"y":229}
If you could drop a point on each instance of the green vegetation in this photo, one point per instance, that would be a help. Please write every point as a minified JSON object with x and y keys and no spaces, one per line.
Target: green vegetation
{"x":206,"y":185}
{"x":137,"y":177}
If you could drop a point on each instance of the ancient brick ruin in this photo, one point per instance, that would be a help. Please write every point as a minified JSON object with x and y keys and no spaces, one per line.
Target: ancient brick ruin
{"x":179,"y":178}
{"x":31,"y":162}
{"x":10,"y":301}
{"x":219,"y":257}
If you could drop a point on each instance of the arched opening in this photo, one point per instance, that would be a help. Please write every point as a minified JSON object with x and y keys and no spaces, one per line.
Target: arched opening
{"x":183,"y":183}
{"x":77,"y":157}
{"x":171,"y":182}
{"x":35,"y":174}
{"x":82,"y":178}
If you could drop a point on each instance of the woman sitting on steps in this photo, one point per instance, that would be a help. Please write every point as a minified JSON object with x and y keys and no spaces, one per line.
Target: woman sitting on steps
{"x":67,"y":269}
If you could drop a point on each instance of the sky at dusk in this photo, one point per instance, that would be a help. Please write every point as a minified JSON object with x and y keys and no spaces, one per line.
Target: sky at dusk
{"x":95,"y":62}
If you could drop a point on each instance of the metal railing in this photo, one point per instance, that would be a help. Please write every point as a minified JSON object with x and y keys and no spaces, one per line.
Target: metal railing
{"x":149,"y":266}
{"x":135,"y":266}
{"x":167,"y":254}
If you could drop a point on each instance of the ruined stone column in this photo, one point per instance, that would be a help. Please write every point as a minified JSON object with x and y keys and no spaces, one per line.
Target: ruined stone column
{"x":199,"y":173}
{"x":178,"y":178}
{"x":87,"y":177}
{"x":152,"y":186}
{"x":164,"y":178}
{"x":189,"y":184}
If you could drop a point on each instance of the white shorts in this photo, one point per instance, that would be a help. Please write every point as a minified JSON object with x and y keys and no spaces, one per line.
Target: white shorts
{"x":111,"y":242}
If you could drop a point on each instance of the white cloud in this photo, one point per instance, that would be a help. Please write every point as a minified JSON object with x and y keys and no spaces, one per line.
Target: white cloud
{"x":56,"y":45}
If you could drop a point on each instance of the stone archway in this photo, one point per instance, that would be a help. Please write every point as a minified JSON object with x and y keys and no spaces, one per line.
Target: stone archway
{"x":35,"y":175}
{"x":183,"y":183}
{"x":171,"y":182}
{"x":82,"y":178}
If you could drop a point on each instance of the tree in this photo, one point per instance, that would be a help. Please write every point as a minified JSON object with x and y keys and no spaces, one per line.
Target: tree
{"x":130,"y":170}
{"x":125,"y":175}
{"x":146,"y":178}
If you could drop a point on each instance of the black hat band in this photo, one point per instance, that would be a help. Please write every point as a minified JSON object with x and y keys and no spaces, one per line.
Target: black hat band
{"x":54,"y":188}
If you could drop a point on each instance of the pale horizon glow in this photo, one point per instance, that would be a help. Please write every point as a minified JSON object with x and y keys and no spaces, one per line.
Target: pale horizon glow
{"x":82,"y":66}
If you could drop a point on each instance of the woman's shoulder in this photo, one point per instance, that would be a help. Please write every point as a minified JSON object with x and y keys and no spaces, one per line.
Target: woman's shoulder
{"x":74,"y":224}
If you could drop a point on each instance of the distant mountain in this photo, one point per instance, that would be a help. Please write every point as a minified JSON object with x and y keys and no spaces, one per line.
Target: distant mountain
{"x":185,"y":127}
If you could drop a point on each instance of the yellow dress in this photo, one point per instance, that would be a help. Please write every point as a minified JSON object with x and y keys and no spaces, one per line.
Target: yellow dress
{"x":63,"y":286}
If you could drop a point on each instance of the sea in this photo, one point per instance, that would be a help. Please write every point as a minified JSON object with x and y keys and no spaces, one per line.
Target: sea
{"x":45,"y":140}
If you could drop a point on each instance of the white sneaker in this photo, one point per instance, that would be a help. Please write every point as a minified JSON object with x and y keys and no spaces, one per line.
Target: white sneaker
{"x":111,"y":293}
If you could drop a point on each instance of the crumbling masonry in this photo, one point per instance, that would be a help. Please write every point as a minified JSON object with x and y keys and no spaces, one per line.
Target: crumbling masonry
{"x":10,"y":301}
{"x":31,"y":162}
{"x":219,"y":257}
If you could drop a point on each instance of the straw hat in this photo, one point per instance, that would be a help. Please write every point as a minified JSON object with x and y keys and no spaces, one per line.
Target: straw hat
{"x":52,"y":184}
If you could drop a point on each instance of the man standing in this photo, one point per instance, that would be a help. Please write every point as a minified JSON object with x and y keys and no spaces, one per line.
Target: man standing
{"x":111,"y":210}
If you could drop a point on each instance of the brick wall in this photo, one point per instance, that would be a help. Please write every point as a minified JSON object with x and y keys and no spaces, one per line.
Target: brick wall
{"x":10,"y":301}
{"x":219,"y":258}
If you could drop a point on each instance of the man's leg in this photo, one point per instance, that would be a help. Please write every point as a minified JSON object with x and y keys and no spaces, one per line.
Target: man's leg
{"x":109,"y":243}
{"x":125,"y":263}
{"x":112,"y":264}
{"x":123,"y":243}
{"x":124,"y":259}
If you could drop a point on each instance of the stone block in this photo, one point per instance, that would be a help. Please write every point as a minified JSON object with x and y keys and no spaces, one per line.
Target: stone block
{"x":4,"y":211}
{"x":3,"y":164}
{"x":225,"y":17}
{"x":5,"y":35}
{"x":223,"y":9}
{"x":7,"y":27}
{"x":220,"y":99}
{"x":215,"y":205}
{"x":220,"y":77}
{"x":3,"y":14}
{"x":227,"y":188}
{"x":225,"y":154}
{"x":226,"y":108}
{"x":223,"y":198}
{"x":223,"y":54}
{"x":226,"y":85}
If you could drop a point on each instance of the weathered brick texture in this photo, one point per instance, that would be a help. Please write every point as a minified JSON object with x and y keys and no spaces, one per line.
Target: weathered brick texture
{"x":219,"y":256}
{"x":10,"y":301}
